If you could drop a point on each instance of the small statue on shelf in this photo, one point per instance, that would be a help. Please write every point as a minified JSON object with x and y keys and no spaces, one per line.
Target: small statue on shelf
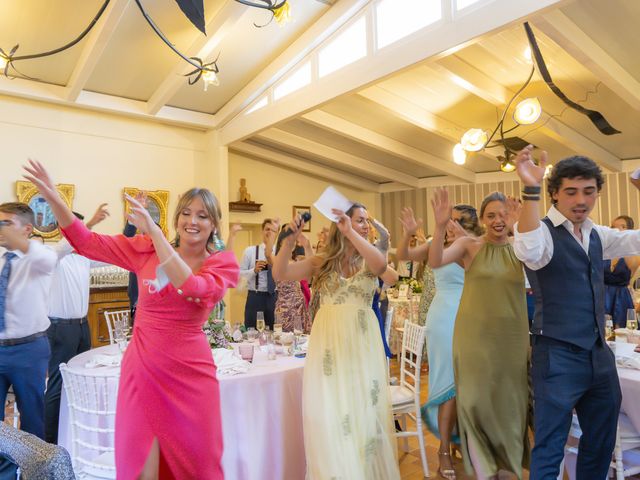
{"x":245,"y":196}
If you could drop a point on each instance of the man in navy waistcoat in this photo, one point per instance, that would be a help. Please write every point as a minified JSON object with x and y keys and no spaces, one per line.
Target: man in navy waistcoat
{"x":572,"y":365}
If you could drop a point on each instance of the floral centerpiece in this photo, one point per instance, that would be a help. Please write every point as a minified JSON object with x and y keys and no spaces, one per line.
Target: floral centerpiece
{"x":217,"y":332}
{"x":414,"y":285}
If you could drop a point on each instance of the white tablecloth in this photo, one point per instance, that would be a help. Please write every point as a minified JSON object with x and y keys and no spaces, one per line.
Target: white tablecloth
{"x":261,"y":418}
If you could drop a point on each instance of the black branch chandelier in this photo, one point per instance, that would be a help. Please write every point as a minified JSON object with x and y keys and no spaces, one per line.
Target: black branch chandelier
{"x":194,"y":11}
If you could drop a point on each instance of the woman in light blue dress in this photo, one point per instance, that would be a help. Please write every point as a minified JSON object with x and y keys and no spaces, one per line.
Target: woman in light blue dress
{"x":439,"y":413}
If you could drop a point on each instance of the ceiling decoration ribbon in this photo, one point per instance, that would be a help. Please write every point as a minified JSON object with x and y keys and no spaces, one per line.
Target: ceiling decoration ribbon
{"x":596,"y":118}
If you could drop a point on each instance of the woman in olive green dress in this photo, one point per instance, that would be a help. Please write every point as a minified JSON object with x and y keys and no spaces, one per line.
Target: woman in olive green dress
{"x":490,"y":339}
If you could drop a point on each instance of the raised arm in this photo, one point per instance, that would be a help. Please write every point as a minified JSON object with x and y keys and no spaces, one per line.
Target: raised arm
{"x":174,"y":266}
{"x":438,"y":256}
{"x":531,"y":176}
{"x":283,"y":269}
{"x":38,"y":175}
{"x":410,"y":226}
{"x":233,"y":232}
{"x":530,"y":242}
{"x":390,"y":276}
{"x":382,"y":243}
{"x":374,"y":259}
{"x":128,"y":253}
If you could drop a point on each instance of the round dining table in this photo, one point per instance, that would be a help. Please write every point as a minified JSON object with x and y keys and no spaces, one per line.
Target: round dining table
{"x":261,"y":415}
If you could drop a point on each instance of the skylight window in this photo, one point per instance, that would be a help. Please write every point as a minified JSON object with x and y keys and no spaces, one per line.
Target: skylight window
{"x":258,"y":105}
{"x":395,"y":19}
{"x":349,"y":46}
{"x":298,"y":79}
{"x":460,"y":4}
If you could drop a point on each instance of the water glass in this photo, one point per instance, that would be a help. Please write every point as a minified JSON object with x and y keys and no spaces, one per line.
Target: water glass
{"x":271,"y":347}
{"x":632,"y":320}
{"x":252,"y":334}
{"x":246,"y":351}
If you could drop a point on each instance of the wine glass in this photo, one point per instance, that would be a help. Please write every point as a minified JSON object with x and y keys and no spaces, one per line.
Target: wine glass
{"x":260,"y":321}
{"x":632,"y":320}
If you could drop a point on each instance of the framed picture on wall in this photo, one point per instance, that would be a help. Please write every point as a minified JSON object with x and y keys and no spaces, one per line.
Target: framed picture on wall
{"x":45,"y":223}
{"x":299,"y":210}
{"x":157,"y":205}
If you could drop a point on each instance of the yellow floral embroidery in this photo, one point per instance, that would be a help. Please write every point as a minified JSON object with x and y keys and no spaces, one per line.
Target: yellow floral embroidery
{"x":327,"y":363}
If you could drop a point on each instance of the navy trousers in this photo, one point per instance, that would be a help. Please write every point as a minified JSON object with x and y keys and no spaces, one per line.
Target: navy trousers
{"x":25,"y":367}
{"x":567,"y":377}
{"x":259,"y":302}
{"x":66,"y":342}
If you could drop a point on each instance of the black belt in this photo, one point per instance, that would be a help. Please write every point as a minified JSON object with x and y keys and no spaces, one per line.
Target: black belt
{"x":68,"y":321}
{"x":256,"y":292}
{"x":19,"y":341}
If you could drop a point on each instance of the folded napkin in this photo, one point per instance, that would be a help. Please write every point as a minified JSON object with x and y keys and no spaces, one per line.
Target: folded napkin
{"x":629,"y":362}
{"x":100,"y":360}
{"x":228,"y":363}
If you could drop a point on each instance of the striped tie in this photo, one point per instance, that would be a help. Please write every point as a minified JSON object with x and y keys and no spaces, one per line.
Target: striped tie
{"x":4,"y":283}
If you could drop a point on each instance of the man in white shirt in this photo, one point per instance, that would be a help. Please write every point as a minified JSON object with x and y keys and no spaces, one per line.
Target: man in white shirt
{"x":255,"y":268}
{"x":68,"y":333}
{"x":572,"y":366}
{"x":26,"y":270}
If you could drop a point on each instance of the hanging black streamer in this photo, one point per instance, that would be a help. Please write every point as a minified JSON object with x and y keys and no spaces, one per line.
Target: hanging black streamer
{"x":596,"y":117}
{"x":194,"y":11}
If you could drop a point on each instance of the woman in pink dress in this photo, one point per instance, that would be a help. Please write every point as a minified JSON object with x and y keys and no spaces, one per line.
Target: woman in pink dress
{"x":168,"y":411}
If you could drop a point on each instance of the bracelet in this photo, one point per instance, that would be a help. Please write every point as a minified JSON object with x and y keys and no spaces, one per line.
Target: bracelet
{"x":532,"y":190}
{"x":533,"y":198}
{"x":173,"y":255}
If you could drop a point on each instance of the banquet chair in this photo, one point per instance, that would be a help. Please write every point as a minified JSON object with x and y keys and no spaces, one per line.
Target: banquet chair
{"x":388,"y":323}
{"x":405,"y":397}
{"x":627,"y":440}
{"x":92,"y":409}
{"x":112,"y":318}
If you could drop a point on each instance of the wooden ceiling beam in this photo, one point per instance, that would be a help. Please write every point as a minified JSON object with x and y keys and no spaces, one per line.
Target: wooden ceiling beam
{"x":348,"y":161}
{"x":365,"y":136}
{"x":94,"y":46}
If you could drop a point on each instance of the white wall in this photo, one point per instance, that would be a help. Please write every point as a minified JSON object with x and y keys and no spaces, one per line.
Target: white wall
{"x":279,"y":189}
{"x":99,"y":153}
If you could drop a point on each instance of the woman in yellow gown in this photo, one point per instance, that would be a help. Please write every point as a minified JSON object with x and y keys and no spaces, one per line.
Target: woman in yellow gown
{"x":347,"y":419}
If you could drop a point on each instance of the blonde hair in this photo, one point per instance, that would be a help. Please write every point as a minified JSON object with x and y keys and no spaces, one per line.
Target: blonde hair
{"x":333,"y":253}
{"x":211,"y":206}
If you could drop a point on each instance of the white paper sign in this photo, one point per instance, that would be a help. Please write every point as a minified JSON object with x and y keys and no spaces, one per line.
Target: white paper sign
{"x":330,"y":199}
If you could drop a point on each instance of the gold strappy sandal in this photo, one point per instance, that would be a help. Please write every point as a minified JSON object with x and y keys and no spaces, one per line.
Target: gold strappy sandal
{"x":447,"y":473}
